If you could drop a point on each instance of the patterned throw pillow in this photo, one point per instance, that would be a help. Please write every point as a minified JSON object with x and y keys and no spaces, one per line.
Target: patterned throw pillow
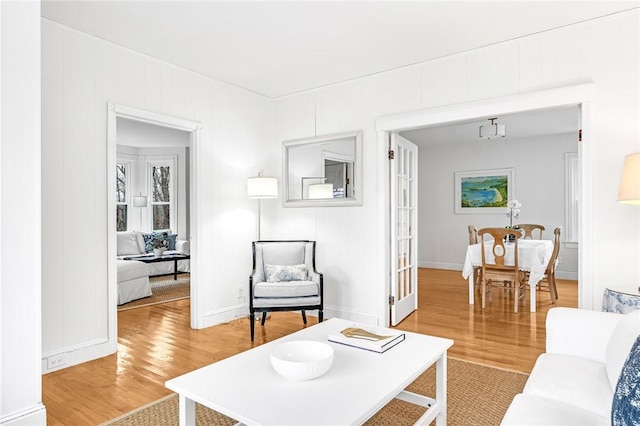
{"x":277,"y":273}
{"x":626,"y":400}
{"x":149,"y":238}
{"x":172,"y":241}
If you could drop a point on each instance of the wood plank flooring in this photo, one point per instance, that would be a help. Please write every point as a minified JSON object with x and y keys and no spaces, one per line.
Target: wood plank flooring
{"x":156,"y":344}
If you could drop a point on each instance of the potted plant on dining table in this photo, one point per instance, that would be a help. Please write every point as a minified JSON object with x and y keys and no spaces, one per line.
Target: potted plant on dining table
{"x":513,"y":211}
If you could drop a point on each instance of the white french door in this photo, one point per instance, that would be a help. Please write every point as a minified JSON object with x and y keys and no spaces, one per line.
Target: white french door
{"x":404,"y":220}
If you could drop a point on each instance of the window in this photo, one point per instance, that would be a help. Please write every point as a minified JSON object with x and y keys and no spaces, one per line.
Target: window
{"x":162,"y":183}
{"x":122,"y":181}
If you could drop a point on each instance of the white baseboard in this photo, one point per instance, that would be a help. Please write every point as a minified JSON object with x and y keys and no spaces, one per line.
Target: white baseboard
{"x":361,"y":317}
{"x":440,"y":265}
{"x":242,"y":311}
{"x":225,"y":315}
{"x":563,"y":275}
{"x":74,"y":355}
{"x":31,"y":416}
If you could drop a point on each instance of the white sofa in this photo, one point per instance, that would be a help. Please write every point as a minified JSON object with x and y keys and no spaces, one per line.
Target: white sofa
{"x":573,"y":383}
{"x":133,"y":276}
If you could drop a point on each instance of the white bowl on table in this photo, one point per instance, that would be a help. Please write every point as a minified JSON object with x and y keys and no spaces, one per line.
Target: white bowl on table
{"x":302,"y":359}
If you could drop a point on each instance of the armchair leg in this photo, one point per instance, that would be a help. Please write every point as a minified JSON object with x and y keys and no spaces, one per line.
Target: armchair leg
{"x":252,"y":324}
{"x":264,"y":318}
{"x":304,"y":318}
{"x":319,"y":315}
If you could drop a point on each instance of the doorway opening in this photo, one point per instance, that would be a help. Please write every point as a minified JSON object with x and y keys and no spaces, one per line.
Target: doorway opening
{"x":578,"y":96}
{"x":162,"y":186}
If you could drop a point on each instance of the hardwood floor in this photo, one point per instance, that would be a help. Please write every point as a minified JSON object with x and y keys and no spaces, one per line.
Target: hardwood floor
{"x":156,"y":344}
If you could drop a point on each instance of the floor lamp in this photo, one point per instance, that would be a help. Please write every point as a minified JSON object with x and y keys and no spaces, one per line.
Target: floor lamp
{"x":261,"y":187}
{"x":140,"y":201}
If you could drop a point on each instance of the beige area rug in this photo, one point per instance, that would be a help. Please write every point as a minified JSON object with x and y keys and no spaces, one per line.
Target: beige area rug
{"x":164,"y":290}
{"x":477,"y":395}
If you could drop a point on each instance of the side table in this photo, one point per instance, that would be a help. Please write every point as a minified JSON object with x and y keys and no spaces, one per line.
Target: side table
{"x":621,"y":299}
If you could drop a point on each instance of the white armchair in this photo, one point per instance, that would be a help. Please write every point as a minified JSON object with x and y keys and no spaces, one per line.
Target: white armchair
{"x":284,"y":278}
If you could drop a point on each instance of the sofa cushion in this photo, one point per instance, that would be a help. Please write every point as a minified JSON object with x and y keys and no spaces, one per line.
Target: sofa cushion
{"x":626,"y":400}
{"x":140,"y":239}
{"x":620,"y":343}
{"x":286,"y":289}
{"x":534,"y":410}
{"x":572,"y":380}
{"x":127,"y":243}
{"x":131,"y":269}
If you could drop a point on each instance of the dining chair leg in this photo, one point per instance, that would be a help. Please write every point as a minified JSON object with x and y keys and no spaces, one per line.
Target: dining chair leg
{"x":516,"y":291}
{"x":483,"y":296}
{"x":552,"y":288}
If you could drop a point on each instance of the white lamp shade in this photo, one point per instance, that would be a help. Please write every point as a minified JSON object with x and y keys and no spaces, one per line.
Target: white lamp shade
{"x":320,"y":190}
{"x":262,"y":187}
{"x":140,"y":201}
{"x":629,"y":191}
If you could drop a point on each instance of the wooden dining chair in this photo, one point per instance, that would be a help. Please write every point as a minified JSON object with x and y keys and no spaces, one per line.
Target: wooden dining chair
{"x":531,"y":231}
{"x":548,"y":282}
{"x":477,"y":270}
{"x":498,"y":274}
{"x":473,"y":235}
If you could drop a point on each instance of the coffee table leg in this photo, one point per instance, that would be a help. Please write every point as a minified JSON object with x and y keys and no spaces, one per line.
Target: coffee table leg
{"x":441,"y":389}
{"x":187,"y":410}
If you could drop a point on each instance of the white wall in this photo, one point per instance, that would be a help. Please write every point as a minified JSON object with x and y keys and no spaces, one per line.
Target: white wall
{"x":20,"y":375}
{"x":241,"y":135}
{"x":80,"y":75}
{"x":538,"y":164}
{"x":603,"y":51}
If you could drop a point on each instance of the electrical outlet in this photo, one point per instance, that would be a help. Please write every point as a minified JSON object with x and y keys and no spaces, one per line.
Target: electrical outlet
{"x":56,"y":361}
{"x":240,"y":292}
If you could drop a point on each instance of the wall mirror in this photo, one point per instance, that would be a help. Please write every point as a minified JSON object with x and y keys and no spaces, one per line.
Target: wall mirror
{"x":323,"y":171}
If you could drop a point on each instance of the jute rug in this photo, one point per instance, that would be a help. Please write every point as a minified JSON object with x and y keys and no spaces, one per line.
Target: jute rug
{"x":164,"y":290}
{"x":477,"y":396}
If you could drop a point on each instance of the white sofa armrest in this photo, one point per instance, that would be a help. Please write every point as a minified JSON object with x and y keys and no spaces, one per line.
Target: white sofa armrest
{"x":183,"y":246}
{"x":580,"y":332}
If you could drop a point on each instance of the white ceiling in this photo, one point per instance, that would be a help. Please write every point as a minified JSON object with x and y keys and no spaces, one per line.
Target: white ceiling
{"x":519,"y":127}
{"x":279,"y":48}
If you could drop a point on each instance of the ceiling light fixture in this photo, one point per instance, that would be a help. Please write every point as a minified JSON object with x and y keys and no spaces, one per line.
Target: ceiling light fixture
{"x":493,"y":131}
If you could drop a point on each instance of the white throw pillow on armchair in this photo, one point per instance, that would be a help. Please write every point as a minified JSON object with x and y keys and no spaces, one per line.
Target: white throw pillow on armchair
{"x":127,"y":242}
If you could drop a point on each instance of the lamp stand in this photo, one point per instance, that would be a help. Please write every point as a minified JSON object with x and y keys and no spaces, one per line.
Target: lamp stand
{"x":259,"y":219}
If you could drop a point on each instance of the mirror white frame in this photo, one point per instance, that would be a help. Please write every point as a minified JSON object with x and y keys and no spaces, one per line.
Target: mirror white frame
{"x":354,"y":137}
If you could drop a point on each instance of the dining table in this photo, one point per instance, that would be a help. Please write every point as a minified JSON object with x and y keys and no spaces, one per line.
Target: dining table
{"x":533,"y":257}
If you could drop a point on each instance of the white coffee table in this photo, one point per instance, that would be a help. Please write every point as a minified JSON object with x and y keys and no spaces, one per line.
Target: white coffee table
{"x":246,"y":388}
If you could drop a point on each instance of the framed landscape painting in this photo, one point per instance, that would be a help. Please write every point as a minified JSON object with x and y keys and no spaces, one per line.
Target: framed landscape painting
{"x":483,"y":191}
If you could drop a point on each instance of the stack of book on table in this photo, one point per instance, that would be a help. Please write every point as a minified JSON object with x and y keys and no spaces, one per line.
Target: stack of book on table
{"x":369,"y":338}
